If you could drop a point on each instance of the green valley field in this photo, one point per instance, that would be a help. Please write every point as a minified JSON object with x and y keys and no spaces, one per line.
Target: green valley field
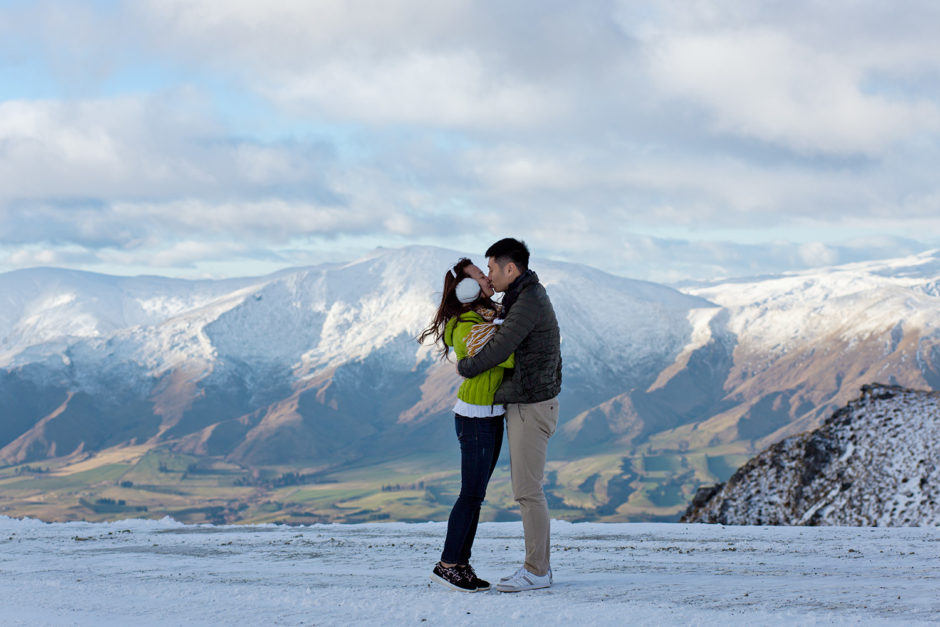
{"x":137,"y":482}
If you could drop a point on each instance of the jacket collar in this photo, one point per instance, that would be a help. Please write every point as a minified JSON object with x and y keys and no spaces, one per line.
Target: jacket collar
{"x":515,"y":288}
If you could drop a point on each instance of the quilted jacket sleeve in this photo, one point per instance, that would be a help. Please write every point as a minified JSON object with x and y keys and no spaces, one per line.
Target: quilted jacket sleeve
{"x":522,"y":318}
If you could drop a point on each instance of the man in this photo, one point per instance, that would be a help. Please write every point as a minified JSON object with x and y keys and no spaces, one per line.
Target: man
{"x":529,"y":391}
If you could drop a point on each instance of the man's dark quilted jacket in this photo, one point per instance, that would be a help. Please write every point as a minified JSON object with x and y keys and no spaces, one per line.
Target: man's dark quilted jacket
{"x":531,"y":331}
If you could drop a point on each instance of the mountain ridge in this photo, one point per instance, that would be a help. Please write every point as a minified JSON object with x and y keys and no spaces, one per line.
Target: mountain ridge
{"x":294,"y":326}
{"x":317,"y":370}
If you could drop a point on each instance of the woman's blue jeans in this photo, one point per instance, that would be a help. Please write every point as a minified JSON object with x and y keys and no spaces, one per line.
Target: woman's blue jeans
{"x":480,"y":441}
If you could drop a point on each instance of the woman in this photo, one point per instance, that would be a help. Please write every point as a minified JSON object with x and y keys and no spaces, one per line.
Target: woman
{"x":464,"y":322}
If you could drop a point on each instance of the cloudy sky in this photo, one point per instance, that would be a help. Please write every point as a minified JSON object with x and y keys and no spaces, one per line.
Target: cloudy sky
{"x":663,"y":140}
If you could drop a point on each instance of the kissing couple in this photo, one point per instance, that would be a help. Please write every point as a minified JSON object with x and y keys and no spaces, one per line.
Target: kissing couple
{"x":509,"y":354}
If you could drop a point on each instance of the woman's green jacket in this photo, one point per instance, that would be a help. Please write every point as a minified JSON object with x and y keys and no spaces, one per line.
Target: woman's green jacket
{"x":478,"y":390}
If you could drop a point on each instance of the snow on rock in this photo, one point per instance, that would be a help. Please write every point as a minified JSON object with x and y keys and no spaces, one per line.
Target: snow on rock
{"x":874,"y":462}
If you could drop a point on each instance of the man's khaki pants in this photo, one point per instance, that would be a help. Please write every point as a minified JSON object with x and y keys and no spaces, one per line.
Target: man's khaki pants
{"x":529,"y":425}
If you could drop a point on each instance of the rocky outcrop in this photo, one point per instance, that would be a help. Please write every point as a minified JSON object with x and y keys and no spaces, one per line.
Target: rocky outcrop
{"x":874,"y":462}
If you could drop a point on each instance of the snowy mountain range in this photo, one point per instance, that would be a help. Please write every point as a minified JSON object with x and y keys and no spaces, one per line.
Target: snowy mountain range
{"x":875,"y":462}
{"x":326,"y":353}
{"x":318,"y":367}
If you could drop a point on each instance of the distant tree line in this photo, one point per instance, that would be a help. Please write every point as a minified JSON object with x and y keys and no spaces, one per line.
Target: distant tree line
{"x":398,"y":487}
{"x":110,"y":506}
{"x":22,"y":470}
{"x":284,"y":480}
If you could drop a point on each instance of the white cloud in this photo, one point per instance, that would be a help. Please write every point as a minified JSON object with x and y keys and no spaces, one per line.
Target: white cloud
{"x":401,"y":62}
{"x":443,"y":90}
{"x":760,"y":83}
{"x":178,"y":254}
{"x":27,"y":257}
{"x":274,"y":220}
{"x":287,"y":33}
{"x":133,"y":145}
{"x":132,"y":226}
{"x":588,"y":126}
{"x":817,"y":254}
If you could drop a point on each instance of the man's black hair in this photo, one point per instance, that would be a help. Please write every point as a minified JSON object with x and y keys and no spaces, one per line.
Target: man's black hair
{"x":509,"y":249}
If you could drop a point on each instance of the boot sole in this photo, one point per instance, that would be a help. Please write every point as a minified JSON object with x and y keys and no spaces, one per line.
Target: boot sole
{"x":448,"y":584}
{"x":526,"y":589}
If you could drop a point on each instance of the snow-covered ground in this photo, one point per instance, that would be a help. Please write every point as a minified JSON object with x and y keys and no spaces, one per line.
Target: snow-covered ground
{"x":162,"y":572}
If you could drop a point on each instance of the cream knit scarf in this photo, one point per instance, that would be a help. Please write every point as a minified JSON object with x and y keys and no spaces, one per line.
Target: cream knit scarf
{"x":481,"y":332}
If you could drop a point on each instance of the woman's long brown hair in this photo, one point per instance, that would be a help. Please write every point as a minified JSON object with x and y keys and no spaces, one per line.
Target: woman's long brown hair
{"x":450,"y":306}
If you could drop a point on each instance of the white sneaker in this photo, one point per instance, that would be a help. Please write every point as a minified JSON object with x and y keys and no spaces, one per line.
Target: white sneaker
{"x":520,"y":571}
{"x":512,"y":576}
{"x":522,"y":579}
